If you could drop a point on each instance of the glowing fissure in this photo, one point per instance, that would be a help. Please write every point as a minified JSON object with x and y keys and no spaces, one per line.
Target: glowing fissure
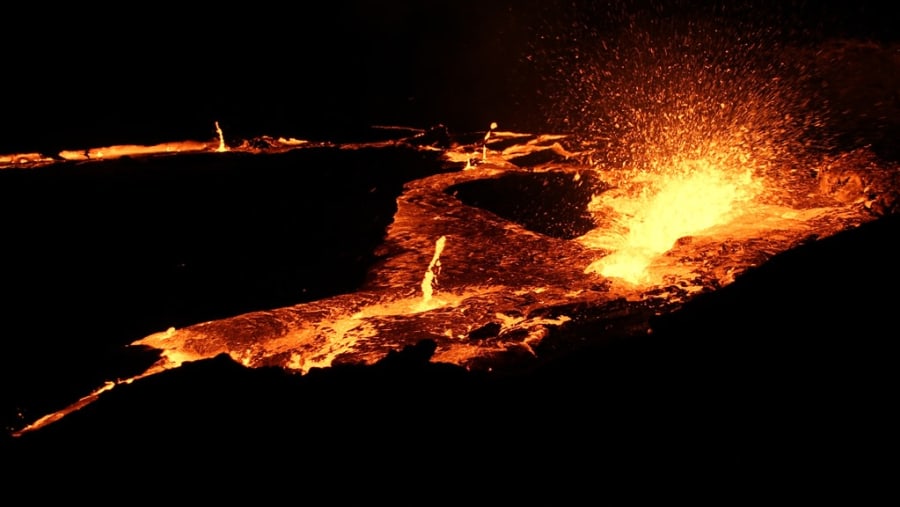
{"x":129,"y":150}
{"x":535,"y":327}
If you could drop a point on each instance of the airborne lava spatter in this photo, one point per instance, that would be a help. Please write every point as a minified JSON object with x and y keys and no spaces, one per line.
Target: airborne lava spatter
{"x":689,"y":118}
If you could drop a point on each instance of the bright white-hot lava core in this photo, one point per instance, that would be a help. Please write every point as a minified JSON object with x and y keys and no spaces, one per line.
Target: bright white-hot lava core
{"x":690,"y":197}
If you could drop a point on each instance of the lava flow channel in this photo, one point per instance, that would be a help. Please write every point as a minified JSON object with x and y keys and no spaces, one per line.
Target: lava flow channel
{"x":488,"y":290}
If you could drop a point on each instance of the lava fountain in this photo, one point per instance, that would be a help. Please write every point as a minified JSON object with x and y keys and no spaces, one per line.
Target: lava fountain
{"x":692,"y":197}
{"x":690,"y":121}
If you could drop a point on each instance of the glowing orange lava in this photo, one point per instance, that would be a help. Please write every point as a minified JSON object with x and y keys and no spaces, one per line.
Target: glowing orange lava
{"x":685,"y":199}
{"x":430,"y":279}
{"x":512,"y":285}
{"x":222,"y":147}
{"x":127,"y":150}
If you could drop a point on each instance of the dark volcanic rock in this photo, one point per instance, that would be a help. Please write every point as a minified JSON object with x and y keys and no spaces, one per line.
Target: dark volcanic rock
{"x":538,"y":158}
{"x":550,"y":203}
{"x":797,"y":353}
{"x":785,"y":369}
{"x":100,"y":254}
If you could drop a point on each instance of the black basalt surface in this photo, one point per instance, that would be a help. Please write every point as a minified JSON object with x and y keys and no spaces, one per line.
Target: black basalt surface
{"x":97,"y":255}
{"x":550,"y":203}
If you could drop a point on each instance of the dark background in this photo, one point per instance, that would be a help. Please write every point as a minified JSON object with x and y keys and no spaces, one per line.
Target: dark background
{"x":80,"y":76}
{"x":162,"y":73}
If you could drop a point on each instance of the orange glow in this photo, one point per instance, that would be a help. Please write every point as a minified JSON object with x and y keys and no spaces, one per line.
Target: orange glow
{"x":135,"y":150}
{"x":430,"y":280}
{"x":222,"y":147}
{"x":688,"y":197}
{"x":504,"y":287}
{"x":128,"y":150}
{"x":486,"y":137}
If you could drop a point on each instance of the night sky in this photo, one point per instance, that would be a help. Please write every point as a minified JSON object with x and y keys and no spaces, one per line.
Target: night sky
{"x":83,"y":76}
{"x":71,"y":75}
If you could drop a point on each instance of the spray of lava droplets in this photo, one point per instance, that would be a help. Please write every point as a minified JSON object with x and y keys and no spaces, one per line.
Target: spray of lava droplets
{"x":688,"y":118}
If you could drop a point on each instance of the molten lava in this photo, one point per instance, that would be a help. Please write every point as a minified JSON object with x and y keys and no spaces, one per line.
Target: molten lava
{"x":222,"y":146}
{"x":32,"y":160}
{"x":430,"y":276}
{"x":693,"y":196}
{"x":671,"y":233}
{"x":695,"y":152}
